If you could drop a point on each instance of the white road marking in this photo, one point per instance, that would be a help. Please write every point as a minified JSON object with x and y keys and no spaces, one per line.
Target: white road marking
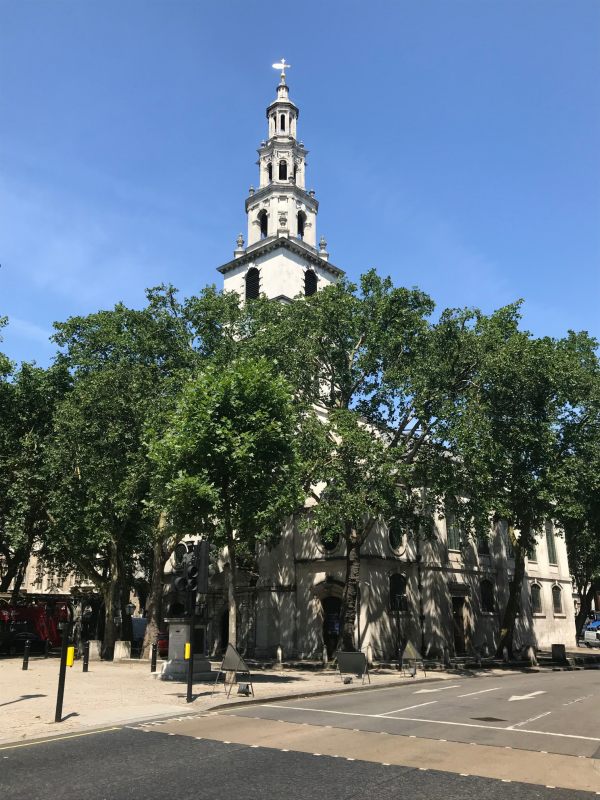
{"x":438,"y":722}
{"x":482,"y":691}
{"x":524,"y":696}
{"x":577,"y":700}
{"x":407,"y":708}
{"x":525,"y":721}
{"x":441,"y":689}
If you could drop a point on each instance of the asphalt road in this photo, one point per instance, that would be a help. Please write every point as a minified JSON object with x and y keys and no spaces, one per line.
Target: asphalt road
{"x":124,"y":763}
{"x":516,"y":736}
{"x":554,"y":712}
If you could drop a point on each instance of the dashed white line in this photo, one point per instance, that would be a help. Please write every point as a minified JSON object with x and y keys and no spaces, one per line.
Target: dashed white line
{"x":407,"y":708}
{"x":525,"y":721}
{"x":482,"y":691}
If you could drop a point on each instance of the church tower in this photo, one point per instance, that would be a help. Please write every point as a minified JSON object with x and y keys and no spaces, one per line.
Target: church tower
{"x":281,"y":258}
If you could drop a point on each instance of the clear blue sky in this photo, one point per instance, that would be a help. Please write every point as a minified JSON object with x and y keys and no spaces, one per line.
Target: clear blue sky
{"x":453,"y":145}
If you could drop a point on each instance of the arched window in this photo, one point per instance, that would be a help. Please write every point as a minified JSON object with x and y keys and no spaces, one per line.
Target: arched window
{"x":557,"y":600}
{"x":301,"y":224}
{"x":310,"y":283}
{"x":536,"y":598}
{"x":270,"y":171}
{"x":295,"y":172}
{"x":283,"y":170}
{"x":263,"y":219}
{"x":398,"y":599}
{"x":487,"y":596}
{"x":252,"y":284}
{"x":282,"y":121}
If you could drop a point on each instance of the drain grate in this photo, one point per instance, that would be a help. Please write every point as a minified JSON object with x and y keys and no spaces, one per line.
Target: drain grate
{"x":489,"y":719}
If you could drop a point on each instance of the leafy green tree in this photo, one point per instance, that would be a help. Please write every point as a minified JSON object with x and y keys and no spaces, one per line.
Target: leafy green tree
{"x":127,"y":366}
{"x":578,"y":469}
{"x":28,"y":400}
{"x":386,"y":380}
{"x":508,"y":438}
{"x":229,"y":460}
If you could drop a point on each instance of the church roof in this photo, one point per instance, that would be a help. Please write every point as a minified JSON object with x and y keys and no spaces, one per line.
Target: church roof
{"x":282,"y":242}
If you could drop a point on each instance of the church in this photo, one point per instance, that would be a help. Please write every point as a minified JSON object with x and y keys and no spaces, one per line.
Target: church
{"x":445,"y":596}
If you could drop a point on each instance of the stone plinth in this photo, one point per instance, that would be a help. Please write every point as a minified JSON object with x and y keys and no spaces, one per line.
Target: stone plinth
{"x":95,"y":649}
{"x":122,"y":650}
{"x":176,"y":667}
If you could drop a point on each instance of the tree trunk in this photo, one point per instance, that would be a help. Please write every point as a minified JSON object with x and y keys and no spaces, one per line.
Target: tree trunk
{"x":348,"y":613}
{"x":507,"y":629}
{"x":12,"y":567}
{"x":112,"y":604}
{"x":155,"y":598}
{"x":231,"y":590}
{"x":585,"y":607}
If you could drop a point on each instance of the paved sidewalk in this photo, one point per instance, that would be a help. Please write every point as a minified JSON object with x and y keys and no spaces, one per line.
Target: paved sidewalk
{"x":116,"y":693}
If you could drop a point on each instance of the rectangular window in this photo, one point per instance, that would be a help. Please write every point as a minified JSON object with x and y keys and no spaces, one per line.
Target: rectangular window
{"x":551,"y":544}
{"x":453,"y":532}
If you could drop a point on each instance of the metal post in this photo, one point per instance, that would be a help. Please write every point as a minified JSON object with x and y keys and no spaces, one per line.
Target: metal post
{"x":63,"y":671}
{"x":153,"y":657}
{"x":190,"y":675}
{"x":86,"y":656}
{"x":26,"y":651}
{"x":46,"y":648}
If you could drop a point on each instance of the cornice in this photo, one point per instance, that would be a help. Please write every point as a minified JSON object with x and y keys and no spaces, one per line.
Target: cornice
{"x":281,"y":243}
{"x":274,"y":189}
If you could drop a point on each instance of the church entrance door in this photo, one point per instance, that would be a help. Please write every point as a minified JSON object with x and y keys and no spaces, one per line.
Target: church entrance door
{"x":332,"y":607}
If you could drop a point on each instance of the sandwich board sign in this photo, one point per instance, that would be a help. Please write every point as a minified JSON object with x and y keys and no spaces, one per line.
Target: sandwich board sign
{"x":234,"y":665}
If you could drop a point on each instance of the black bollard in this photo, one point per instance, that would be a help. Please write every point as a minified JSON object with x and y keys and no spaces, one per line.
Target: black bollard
{"x":62,"y":672}
{"x":46,"y":648}
{"x":190,"y":676}
{"x":86,"y":656}
{"x":26,"y":651}
{"x":153,"y":657}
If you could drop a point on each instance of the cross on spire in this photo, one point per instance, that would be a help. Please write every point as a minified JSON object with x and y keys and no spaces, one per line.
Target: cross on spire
{"x":282,"y":66}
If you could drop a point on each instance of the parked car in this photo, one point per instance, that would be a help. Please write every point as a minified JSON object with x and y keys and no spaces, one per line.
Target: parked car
{"x":591,"y":634}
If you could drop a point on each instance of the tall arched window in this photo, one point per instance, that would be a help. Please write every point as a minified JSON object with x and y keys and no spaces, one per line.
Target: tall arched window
{"x":252,"y":284}
{"x":282,"y":121}
{"x":301,"y":224}
{"x":536,"y":598}
{"x":270,"y":171}
{"x":310,"y":283}
{"x":557,"y":600}
{"x":398,"y":599}
{"x":486,"y":589}
{"x":283,"y":170}
{"x":263,"y":219}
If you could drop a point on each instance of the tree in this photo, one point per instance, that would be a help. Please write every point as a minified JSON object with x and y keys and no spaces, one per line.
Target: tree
{"x":508,"y":438}
{"x":229,"y":460}
{"x":577,"y":483}
{"x":27,"y":407}
{"x":386,"y":380}
{"x":127,"y":366}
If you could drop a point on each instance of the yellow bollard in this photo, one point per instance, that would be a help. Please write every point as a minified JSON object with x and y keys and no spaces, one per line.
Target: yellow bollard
{"x":188,"y":651}
{"x":70,"y":656}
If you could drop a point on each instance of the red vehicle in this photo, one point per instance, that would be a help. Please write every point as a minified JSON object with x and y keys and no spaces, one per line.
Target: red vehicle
{"x":37,"y":622}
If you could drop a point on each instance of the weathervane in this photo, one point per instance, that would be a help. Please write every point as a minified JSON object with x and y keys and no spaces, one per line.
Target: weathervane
{"x":282,"y":66}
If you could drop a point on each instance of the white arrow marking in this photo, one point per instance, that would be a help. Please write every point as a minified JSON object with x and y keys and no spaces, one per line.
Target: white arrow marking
{"x":441,"y":689}
{"x":482,"y":691}
{"x":524,"y":696}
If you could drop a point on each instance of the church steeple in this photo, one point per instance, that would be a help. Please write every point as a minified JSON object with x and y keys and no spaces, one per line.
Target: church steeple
{"x":282,"y":214}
